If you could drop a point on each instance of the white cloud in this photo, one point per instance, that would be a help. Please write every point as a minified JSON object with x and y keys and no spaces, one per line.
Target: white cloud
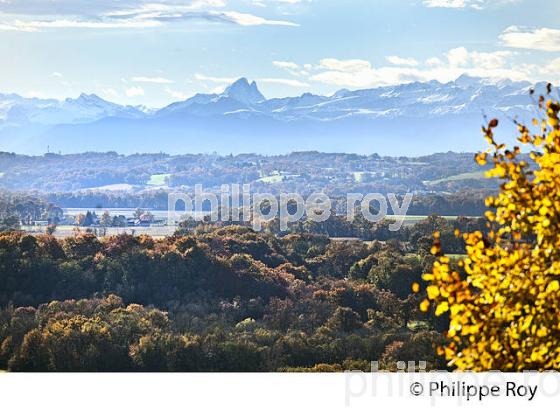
{"x":490,"y":61}
{"x":285,"y":1}
{"x":218,"y":80}
{"x":452,"y":4}
{"x":153,"y":80}
{"x":461,"y":57}
{"x":347,"y":66}
{"x":178,"y":95}
{"x":462,"y":4}
{"x":278,"y":3}
{"x":245,"y":19}
{"x":34,"y":25}
{"x":553,"y":67}
{"x":110,"y":92}
{"x":12,"y":27}
{"x":396,"y":60}
{"x":549,"y":71}
{"x":545,"y":39}
{"x":288,"y":65}
{"x":385,"y":76}
{"x":458,"y":57}
{"x":433,"y":62}
{"x":106,"y":14}
{"x":368,"y":77}
{"x":218,"y":89}
{"x":60,"y":79}
{"x":357,"y":73}
{"x":283,"y":81}
{"x":98,"y":7}
{"x":293,"y":68}
{"x":134,"y":92}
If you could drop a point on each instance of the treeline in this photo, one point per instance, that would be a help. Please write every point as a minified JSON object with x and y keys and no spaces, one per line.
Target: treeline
{"x":22,"y":209}
{"x":414,"y":237}
{"x":227,"y":299}
{"x":154,"y":199}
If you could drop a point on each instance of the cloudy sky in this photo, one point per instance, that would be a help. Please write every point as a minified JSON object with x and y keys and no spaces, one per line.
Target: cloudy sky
{"x":153,"y":52}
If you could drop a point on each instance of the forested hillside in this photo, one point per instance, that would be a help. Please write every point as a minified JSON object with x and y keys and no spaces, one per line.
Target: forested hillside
{"x":302,"y":172}
{"x":216,"y":299}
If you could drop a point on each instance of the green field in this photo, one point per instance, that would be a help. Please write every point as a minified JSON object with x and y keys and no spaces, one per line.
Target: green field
{"x":414,"y":219}
{"x":272,"y":179}
{"x":359,"y":176}
{"x":159,"y":179}
{"x":459,"y":177}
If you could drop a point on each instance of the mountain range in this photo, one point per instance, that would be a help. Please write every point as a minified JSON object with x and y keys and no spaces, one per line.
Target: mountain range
{"x":409,"y":119}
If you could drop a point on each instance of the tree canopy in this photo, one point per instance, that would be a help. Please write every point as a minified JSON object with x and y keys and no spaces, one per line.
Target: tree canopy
{"x":503,"y":304}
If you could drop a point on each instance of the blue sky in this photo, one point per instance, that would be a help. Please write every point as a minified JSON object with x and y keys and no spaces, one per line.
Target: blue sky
{"x":158,"y":51}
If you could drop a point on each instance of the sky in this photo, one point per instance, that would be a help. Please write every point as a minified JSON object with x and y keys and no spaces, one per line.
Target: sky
{"x":154,"y":52}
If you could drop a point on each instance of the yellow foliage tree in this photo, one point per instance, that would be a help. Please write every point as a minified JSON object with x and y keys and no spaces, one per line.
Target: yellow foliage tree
{"x":504,"y":310}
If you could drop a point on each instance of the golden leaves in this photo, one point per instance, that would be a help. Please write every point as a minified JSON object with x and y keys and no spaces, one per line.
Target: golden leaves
{"x":504,"y":310}
{"x":553,"y":286}
{"x":442,"y":308}
{"x":481,"y":158}
{"x":433,"y":292}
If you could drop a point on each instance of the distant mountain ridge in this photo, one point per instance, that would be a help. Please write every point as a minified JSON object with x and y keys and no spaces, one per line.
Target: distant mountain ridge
{"x":414,"y":118}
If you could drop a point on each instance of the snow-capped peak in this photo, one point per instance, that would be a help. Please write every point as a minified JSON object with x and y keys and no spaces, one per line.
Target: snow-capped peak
{"x":244,"y":92}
